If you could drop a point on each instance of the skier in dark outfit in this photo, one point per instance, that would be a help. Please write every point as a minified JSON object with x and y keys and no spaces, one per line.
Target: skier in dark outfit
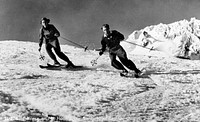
{"x":50,"y":34}
{"x":111,"y":39}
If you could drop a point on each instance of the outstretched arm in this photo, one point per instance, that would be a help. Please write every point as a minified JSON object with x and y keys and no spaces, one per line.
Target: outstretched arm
{"x":41,"y":37}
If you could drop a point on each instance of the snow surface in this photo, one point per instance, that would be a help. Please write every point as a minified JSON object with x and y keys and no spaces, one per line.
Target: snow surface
{"x":168,"y":92}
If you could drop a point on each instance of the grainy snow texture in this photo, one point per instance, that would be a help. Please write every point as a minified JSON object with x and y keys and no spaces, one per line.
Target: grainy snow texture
{"x":168,"y":92}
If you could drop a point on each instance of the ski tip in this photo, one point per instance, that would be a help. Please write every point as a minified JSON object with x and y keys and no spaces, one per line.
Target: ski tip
{"x":128,"y":75}
{"x":40,"y":66}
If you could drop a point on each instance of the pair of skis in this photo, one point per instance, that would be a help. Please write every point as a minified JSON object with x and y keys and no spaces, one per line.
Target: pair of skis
{"x":47,"y":65}
{"x":93,"y":63}
{"x":50,"y":66}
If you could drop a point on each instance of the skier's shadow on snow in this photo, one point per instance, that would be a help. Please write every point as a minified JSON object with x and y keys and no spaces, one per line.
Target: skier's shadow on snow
{"x":145,"y":75}
{"x":173,"y":72}
{"x":78,"y":68}
{"x":144,"y":88}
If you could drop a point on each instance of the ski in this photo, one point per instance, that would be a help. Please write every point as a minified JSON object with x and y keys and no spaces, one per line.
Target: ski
{"x":128,"y":75}
{"x":48,"y":66}
{"x":133,"y":74}
{"x":58,"y":66}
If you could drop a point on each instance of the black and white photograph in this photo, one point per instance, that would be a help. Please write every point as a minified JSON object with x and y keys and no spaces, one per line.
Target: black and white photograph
{"x":99,"y":60}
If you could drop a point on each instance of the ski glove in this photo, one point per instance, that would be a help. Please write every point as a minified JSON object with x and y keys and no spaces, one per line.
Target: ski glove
{"x":101,"y":53}
{"x":56,"y":35}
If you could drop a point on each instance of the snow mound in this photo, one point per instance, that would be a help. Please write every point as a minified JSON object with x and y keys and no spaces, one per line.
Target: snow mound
{"x":180,"y":39}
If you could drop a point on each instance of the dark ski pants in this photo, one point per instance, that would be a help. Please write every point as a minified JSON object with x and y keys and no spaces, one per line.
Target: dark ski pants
{"x":121,"y":54}
{"x":58,"y":52}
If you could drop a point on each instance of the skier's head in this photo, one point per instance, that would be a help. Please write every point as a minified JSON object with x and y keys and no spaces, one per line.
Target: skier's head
{"x":44,"y":21}
{"x":105,"y":28}
{"x":145,"y":33}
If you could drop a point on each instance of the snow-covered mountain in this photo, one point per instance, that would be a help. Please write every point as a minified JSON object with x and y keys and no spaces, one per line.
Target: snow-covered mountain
{"x":171,"y":39}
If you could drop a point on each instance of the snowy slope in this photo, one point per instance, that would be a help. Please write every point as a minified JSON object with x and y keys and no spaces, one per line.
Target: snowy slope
{"x":168,"y":92}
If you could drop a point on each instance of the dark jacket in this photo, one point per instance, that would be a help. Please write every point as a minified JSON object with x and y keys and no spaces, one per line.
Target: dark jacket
{"x":48,"y":34}
{"x":112,"y":41}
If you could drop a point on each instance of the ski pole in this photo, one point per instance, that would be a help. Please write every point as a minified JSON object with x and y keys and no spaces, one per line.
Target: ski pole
{"x":140,"y":45}
{"x":84,"y":47}
{"x":94,"y":62}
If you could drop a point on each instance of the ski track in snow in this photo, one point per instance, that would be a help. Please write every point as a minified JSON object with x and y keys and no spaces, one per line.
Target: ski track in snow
{"x":168,"y":92}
